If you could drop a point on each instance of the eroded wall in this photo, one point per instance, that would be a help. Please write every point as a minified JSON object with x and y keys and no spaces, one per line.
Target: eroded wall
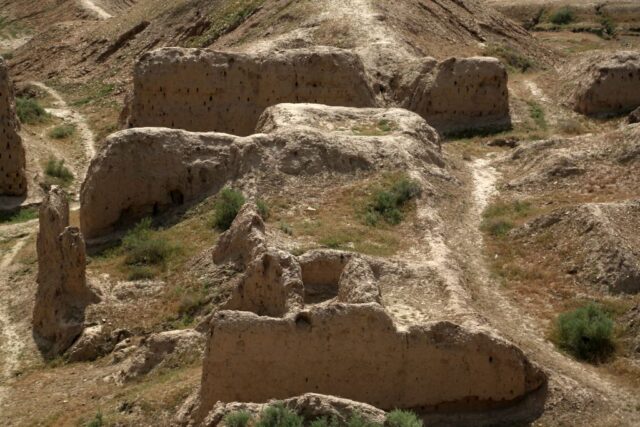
{"x":202,"y":90}
{"x":13,"y":181}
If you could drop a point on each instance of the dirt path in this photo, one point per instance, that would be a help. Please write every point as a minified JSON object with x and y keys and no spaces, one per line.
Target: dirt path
{"x":10,"y":342}
{"x":572,"y":380}
{"x":64,"y":112}
{"x":95,"y":9}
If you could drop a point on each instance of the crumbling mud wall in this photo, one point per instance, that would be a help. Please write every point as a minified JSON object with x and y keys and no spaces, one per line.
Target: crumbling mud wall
{"x":13,"y":181}
{"x":62,"y":294}
{"x":202,"y":90}
{"x":146,"y":171}
{"x":604,"y":84}
{"x":457,"y":95}
{"x":354,"y":351}
{"x":342,"y":342}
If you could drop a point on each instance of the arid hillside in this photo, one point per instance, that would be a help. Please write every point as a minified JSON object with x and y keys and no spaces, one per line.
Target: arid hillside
{"x":336,"y":213}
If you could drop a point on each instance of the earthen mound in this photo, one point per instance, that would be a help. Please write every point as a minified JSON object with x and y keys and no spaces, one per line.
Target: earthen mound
{"x":13,"y":181}
{"x":63,"y":294}
{"x":602,"y":239}
{"x":146,"y":171}
{"x":604,"y":84}
{"x":329,"y":334}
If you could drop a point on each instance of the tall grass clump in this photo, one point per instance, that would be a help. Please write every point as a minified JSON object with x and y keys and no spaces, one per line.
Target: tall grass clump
{"x":62,"y":132}
{"x":30,"y":111}
{"x":586,"y":333}
{"x":142,"y":248}
{"x":398,"y":418}
{"x":237,"y":419}
{"x":387,"y":203}
{"x":55,"y":168}
{"x":562,"y":16}
{"x":226,"y":208}
{"x":279,"y":416}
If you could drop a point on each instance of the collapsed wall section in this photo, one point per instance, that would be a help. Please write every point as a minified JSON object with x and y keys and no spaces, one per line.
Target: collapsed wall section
{"x":13,"y":181}
{"x":604,"y":84}
{"x":460,"y":94}
{"x":202,"y":90}
{"x":62,"y":293}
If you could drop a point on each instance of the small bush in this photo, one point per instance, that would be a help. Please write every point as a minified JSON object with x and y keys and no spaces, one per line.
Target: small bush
{"x":29,"y":111}
{"x":286,"y":229}
{"x":386,"y":204}
{"x":237,"y":419}
{"x":356,"y":420}
{"x":263,"y":209}
{"x":226,"y":208}
{"x":563,"y":16}
{"x":279,"y":416}
{"x":325,"y":422}
{"x":400,"y":418}
{"x":55,"y":168}
{"x":608,"y":27}
{"x":142,"y":248}
{"x":510,"y":57}
{"x":62,"y":131}
{"x":537,"y":114}
{"x":497,"y":227}
{"x":97,"y":421}
{"x":586,"y":333}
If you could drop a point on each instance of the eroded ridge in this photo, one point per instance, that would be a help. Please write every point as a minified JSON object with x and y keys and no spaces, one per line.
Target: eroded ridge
{"x":180,"y":166}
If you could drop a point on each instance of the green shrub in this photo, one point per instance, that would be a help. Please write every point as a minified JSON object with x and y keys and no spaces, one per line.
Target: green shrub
{"x":286,"y":228}
{"x":62,"y":131}
{"x":55,"y":168}
{"x":586,"y":333}
{"x":387,"y":204}
{"x":237,"y":419}
{"x":562,"y":16}
{"x":279,"y":416}
{"x":263,"y":209}
{"x":21,"y":215}
{"x":608,"y":27}
{"x":97,"y":421}
{"x":142,"y":248}
{"x":510,"y":57}
{"x":356,"y":420}
{"x":29,"y":111}
{"x":537,"y":114}
{"x":226,"y":208}
{"x":497,"y":227}
{"x":325,"y":422}
{"x":398,"y":418}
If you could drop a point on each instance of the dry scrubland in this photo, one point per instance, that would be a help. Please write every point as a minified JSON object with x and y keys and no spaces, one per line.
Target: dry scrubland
{"x":319,"y":213}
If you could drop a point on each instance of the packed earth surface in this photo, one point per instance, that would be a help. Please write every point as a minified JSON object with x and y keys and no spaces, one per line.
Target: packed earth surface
{"x":320,"y":213}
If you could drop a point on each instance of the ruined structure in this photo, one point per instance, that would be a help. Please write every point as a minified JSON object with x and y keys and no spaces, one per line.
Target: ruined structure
{"x":62,"y":294}
{"x":180,"y":166}
{"x":202,"y":90}
{"x":13,"y":181}
{"x":604,"y":84}
{"x":459,"y":94}
{"x":336,"y":338}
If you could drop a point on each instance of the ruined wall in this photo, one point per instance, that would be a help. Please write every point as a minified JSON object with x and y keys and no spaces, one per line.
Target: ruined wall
{"x":604,"y":84}
{"x":13,"y":181}
{"x":62,"y":294}
{"x":356,"y":352}
{"x":146,"y":171}
{"x":203,"y":90}
{"x":459,"y":94}
{"x":342,"y":342}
